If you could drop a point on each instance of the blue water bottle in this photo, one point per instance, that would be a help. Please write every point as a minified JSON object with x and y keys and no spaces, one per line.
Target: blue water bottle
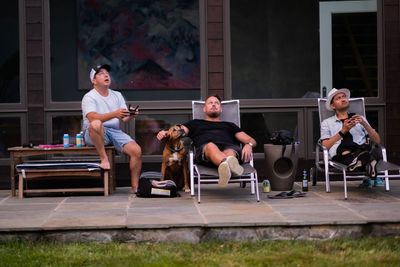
{"x":66,"y":140}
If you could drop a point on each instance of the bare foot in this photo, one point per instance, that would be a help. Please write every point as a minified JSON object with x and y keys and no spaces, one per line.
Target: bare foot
{"x":133,"y":190}
{"x":105,"y":165}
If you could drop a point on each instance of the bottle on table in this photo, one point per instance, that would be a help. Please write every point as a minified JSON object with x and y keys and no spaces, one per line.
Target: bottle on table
{"x":66,"y":140}
{"x":78,"y":140}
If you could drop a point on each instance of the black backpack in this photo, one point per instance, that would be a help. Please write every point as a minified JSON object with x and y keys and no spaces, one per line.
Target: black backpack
{"x":283,"y":137}
{"x":151,"y":186}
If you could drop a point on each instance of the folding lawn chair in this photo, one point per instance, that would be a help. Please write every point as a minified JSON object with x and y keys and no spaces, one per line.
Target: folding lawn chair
{"x":203,"y":174}
{"x":328,"y":166}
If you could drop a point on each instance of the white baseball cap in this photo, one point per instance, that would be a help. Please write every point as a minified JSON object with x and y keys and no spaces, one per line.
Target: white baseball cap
{"x":96,"y":69}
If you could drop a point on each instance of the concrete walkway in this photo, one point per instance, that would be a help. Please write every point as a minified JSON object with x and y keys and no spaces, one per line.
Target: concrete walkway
{"x":229,"y":213}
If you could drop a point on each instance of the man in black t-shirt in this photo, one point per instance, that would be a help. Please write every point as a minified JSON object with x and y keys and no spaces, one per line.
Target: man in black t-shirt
{"x":218,"y":142}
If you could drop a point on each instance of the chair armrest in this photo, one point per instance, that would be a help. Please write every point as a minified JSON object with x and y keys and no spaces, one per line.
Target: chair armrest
{"x":383,"y":151}
{"x":320,"y":148}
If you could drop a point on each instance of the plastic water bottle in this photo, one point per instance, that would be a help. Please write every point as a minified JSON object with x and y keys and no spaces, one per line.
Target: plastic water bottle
{"x":78,"y":140}
{"x":66,"y":140}
{"x":305,"y":181}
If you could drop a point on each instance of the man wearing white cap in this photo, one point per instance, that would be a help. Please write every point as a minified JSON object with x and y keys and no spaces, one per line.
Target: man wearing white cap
{"x":345,"y":135}
{"x":103,"y":109}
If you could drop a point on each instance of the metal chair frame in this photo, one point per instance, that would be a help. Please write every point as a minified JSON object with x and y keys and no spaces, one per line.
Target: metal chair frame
{"x":330,"y":167}
{"x":231,"y":113}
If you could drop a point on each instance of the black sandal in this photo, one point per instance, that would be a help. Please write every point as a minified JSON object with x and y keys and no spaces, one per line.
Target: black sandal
{"x":296,"y":193}
{"x":281,"y":195}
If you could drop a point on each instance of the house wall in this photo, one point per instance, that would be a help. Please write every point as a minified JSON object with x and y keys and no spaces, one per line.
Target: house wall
{"x":217,"y":42}
{"x":34,"y":36}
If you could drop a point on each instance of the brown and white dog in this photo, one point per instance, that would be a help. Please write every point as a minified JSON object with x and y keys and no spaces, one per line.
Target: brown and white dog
{"x":174,"y":160}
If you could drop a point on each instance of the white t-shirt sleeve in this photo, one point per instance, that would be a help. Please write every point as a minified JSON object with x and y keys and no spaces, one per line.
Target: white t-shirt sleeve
{"x":88,"y":105}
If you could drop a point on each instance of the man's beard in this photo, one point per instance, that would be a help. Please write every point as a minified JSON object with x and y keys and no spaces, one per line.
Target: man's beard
{"x":214,"y":114}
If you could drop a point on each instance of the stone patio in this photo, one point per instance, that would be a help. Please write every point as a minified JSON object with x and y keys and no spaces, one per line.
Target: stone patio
{"x":229,"y":213}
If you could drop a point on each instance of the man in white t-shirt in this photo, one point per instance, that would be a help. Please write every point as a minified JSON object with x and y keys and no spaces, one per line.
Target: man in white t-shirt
{"x":103,"y":109}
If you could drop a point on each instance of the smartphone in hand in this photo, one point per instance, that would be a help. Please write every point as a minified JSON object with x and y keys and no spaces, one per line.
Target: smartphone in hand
{"x":132,"y":111}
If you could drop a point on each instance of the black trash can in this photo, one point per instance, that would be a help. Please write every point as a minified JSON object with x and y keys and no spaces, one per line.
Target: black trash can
{"x":281,"y":169}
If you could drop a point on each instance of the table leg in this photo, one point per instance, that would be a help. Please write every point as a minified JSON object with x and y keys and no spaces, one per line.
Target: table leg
{"x":112,"y":184}
{"x":12,"y":174}
{"x":106,"y":180}
{"x":20,"y":186}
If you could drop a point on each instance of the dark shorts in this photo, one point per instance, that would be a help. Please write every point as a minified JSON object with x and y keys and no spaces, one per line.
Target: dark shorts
{"x":374,"y":153}
{"x":201,"y":159}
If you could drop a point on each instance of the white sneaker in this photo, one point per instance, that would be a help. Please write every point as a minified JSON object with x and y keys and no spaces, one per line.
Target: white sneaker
{"x":234,"y":165}
{"x":224,"y":173}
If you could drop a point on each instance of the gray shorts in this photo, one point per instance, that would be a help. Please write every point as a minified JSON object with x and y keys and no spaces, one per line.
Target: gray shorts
{"x":115,"y":137}
{"x":201,"y":159}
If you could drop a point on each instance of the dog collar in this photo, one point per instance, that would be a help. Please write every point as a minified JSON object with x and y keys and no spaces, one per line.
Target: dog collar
{"x":177,"y":149}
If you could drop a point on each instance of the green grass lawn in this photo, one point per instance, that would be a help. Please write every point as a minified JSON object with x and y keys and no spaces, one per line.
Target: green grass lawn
{"x":342,"y":252}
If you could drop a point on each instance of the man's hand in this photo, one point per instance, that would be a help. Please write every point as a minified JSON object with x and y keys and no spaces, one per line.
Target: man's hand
{"x":358,"y":119}
{"x":121,"y":113}
{"x":247,"y":153}
{"x":351,"y":122}
{"x":162,"y":134}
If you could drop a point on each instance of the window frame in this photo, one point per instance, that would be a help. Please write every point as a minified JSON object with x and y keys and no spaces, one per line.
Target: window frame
{"x":23,"y":129}
{"x":21,"y":105}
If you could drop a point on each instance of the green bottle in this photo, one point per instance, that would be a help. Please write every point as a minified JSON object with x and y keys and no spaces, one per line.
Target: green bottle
{"x":305,"y":181}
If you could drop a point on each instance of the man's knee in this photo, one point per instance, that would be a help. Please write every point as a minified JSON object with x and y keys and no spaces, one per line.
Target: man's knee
{"x":209,"y":147}
{"x":95,"y":125}
{"x":231,"y":152}
{"x":132,"y":149}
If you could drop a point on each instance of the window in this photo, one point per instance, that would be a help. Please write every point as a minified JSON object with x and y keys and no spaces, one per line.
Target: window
{"x":354,"y":54}
{"x":274,"y":49}
{"x":261,"y":125}
{"x":10,"y":134}
{"x":303,"y":52}
{"x":65,"y":124}
{"x":9,"y":53}
{"x":153,"y":47}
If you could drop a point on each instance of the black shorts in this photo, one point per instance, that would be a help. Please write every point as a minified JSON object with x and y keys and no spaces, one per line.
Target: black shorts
{"x":201,"y":159}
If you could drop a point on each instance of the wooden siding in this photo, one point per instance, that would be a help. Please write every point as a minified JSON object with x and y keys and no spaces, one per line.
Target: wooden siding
{"x":35,"y":71}
{"x":215,"y":47}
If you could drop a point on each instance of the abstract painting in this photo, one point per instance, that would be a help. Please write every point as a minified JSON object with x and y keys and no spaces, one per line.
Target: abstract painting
{"x":149,"y":44}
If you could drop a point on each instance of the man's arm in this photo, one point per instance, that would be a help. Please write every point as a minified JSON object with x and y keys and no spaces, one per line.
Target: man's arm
{"x":119,"y":113}
{"x":327,"y":140}
{"x":164,"y":133}
{"x":371,"y":131}
{"x":248,"y":144}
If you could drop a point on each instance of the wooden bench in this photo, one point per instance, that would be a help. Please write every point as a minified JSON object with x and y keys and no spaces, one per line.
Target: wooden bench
{"x":45,"y":170}
{"x":62,"y":168}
